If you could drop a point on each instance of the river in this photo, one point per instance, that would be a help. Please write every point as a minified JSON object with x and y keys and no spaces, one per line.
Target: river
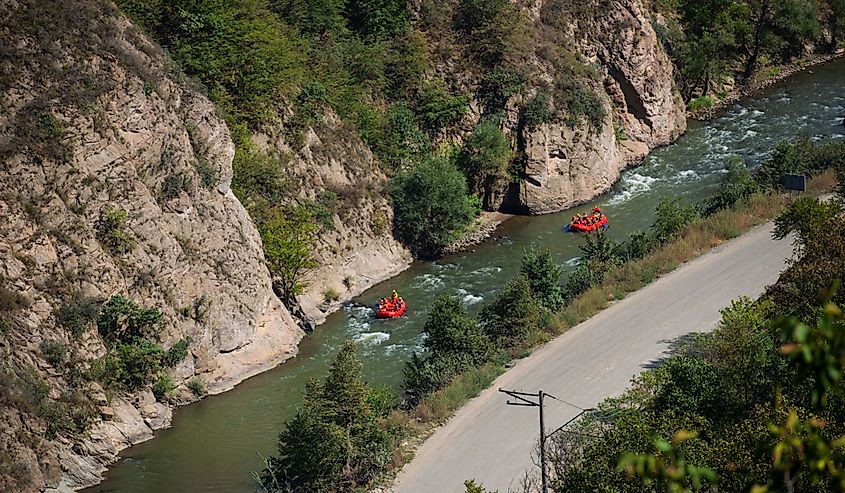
{"x":214,"y":445}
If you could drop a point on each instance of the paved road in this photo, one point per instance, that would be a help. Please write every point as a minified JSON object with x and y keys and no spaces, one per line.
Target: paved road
{"x":492,"y":443}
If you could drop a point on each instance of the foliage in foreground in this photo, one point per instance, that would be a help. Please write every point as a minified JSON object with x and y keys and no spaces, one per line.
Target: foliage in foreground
{"x":338,"y":439}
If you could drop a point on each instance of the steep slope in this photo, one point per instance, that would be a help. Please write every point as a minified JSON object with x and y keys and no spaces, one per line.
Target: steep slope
{"x":95,"y":124}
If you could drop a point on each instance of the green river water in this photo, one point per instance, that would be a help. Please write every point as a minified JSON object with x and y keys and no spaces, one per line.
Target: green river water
{"x":215,"y":444}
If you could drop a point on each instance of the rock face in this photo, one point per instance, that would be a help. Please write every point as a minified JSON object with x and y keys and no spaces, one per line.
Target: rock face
{"x":564,"y":165}
{"x":97,"y":124}
{"x":359,"y":249}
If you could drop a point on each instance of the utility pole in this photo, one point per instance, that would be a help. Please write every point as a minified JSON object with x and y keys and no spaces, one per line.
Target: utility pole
{"x":522,"y":400}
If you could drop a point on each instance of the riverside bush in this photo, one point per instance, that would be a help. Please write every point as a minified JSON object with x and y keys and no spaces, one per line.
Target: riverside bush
{"x":112,"y":233}
{"x":484,"y":158}
{"x":431,"y":206}
{"x":543,"y":275}
{"x":513,"y":316}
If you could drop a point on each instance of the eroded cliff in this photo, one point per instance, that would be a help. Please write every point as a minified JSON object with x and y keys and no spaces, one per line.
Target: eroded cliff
{"x":96,"y":125}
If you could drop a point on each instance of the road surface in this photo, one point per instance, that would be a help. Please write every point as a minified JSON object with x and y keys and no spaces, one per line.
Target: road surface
{"x":492,"y":443}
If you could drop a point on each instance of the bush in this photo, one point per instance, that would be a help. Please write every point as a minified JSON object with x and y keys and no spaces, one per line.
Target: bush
{"x":259,"y":180}
{"x":163,"y":388}
{"x":498,"y":86}
{"x":803,"y":156}
{"x":55,"y":353}
{"x":497,"y":30}
{"x":197,"y":386}
{"x":437,"y":108}
{"x":111,"y":231}
{"x":453,"y":341}
{"x":484,"y":158}
{"x":538,"y":111}
{"x":688,"y":386}
{"x":177,"y":352}
{"x":543,"y":275}
{"x":430,"y":204}
{"x":136,"y":364}
{"x":737,"y":186}
{"x":209,"y":176}
{"x":78,"y":314}
{"x":581,"y":279}
{"x":121,"y":320}
{"x":331,"y":295}
{"x":638,"y":245}
{"x":672,"y":218}
{"x":174,"y":184}
{"x":513,"y":316}
{"x":700,"y":103}
{"x":579,"y":101}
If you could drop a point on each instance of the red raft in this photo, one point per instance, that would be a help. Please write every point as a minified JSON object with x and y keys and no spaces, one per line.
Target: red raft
{"x":391,"y":309}
{"x":584,"y":223}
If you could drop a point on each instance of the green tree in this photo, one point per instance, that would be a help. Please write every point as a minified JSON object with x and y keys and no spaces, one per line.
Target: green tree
{"x":335,"y":441}
{"x":484,"y":158}
{"x":454,"y":342}
{"x":430,"y":205}
{"x":289,"y":239}
{"x":513,"y":315}
{"x":805,"y":216}
{"x":437,"y":107}
{"x":543,"y":274}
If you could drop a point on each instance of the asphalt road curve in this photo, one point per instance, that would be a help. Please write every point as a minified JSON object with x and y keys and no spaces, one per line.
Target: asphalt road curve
{"x":492,"y":443}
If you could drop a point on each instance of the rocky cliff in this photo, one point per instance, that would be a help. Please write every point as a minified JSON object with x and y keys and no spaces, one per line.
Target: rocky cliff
{"x":565,"y":164}
{"x":93,"y":122}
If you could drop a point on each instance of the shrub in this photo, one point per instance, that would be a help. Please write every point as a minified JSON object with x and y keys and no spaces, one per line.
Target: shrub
{"x":111,"y":231}
{"x":497,"y":30}
{"x":163,"y":388}
{"x":498,"y":86}
{"x":638,"y":245}
{"x":513,"y":315}
{"x":197,"y":386}
{"x":543,"y":275}
{"x":453,"y":341}
{"x":55,"y":353}
{"x":437,"y":108}
{"x":484,"y":158}
{"x":78,"y":314}
{"x":207,"y":172}
{"x":259,"y":179}
{"x":430,"y":205}
{"x":177,"y":352}
{"x":331,"y":295}
{"x":173,"y":186}
{"x":579,"y":101}
{"x":672,"y":218}
{"x":700,"y":103}
{"x":688,"y":385}
{"x":581,"y":279}
{"x":323,"y":209}
{"x":122,"y":320}
{"x":538,"y":111}
{"x":737,"y":186}
{"x":137,"y":363}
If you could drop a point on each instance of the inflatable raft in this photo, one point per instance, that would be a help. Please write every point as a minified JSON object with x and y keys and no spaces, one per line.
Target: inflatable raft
{"x":391,"y":310}
{"x":584,"y":223}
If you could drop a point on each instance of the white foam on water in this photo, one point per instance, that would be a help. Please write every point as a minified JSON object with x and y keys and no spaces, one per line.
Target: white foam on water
{"x":371,"y":338}
{"x":573,"y":261}
{"x":837,"y":136}
{"x":634,"y":184}
{"x":748,"y":134}
{"x":492,"y":269}
{"x":429,"y":282}
{"x":687,"y":173}
{"x":469,"y":298}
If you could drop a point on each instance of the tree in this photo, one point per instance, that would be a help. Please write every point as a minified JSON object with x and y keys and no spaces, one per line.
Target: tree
{"x":334,"y":442}
{"x":449,"y":330}
{"x":430,"y":205}
{"x":543,"y":274}
{"x":805,"y":216}
{"x":289,"y":239}
{"x":454,"y":343}
{"x":484,"y":158}
{"x":513,"y":315}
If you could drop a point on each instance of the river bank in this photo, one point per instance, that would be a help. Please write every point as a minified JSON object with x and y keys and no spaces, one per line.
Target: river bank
{"x":763,"y":79}
{"x":246,"y":420}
